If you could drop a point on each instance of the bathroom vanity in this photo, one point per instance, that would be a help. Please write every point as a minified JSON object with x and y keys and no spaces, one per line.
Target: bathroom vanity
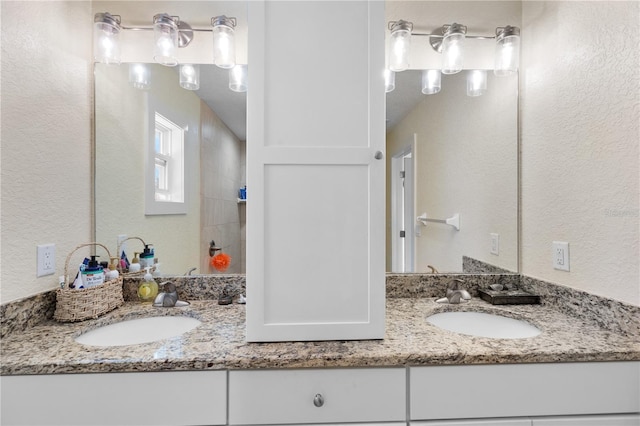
{"x":418,"y":374}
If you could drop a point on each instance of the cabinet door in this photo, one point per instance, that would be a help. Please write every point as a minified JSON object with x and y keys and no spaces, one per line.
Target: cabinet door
{"x":486,"y":422}
{"x":619,"y":420}
{"x":480,"y":391}
{"x":315,"y":256}
{"x":166,"y":398}
{"x":317,"y":396}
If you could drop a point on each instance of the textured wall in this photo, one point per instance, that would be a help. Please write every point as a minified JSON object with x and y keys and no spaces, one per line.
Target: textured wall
{"x":580,"y":106}
{"x":46,"y":137}
{"x":467,"y":163}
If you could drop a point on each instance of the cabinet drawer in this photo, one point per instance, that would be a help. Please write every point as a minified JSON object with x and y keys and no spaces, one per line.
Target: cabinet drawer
{"x":344,"y":395}
{"x":477,"y":391}
{"x":165,"y":398}
{"x":484,"y":422}
{"x":620,"y":420}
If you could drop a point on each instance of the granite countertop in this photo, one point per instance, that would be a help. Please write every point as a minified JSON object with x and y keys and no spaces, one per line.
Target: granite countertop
{"x":219,"y":342}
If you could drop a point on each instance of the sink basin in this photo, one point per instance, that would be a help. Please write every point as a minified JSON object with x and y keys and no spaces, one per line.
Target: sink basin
{"x":142,"y":330}
{"x":484,"y":325}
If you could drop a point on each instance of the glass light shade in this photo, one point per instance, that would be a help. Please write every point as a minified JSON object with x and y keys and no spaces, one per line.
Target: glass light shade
{"x":452,"y":45}
{"x":238,"y":78}
{"x":224,"y":42}
{"x":476,"y":83}
{"x":140,"y":76}
{"x":389,"y":80}
{"x":431,"y":82}
{"x":165,"y":31}
{"x":106,"y":39}
{"x":507,"y":57}
{"x":190,"y":76}
{"x":399,"y":50}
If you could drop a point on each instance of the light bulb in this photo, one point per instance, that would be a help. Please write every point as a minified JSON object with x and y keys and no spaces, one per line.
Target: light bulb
{"x":238,"y":78}
{"x":476,"y":83}
{"x":190,"y":76}
{"x":224,"y":45}
{"x":431,"y":82}
{"x":389,"y":80}
{"x":507,"y":57}
{"x":399,"y":45}
{"x":452,"y":44}
{"x":106,"y":38}
{"x":165,"y":30}
{"x":139,"y":76}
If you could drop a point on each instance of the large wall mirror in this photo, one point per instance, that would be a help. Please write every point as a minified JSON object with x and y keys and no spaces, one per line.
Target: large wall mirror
{"x":463,"y":152}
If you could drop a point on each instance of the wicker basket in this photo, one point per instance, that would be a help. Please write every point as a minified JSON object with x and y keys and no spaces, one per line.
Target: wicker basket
{"x":81,"y":304}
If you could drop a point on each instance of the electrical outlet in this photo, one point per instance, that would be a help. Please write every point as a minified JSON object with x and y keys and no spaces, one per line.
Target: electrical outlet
{"x":495,"y":244}
{"x":46,"y":260}
{"x":560,"y":253}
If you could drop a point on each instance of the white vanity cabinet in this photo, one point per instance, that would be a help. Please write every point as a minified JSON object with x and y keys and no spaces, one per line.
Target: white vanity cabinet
{"x":316,"y":171}
{"x":524,"y":390}
{"x":317,"y":396}
{"x":615,"y":420}
{"x":163,"y":398}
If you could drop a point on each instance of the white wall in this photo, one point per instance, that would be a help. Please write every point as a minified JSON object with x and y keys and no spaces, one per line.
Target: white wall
{"x":467,"y":163}
{"x":46,"y":137}
{"x":580,"y":111}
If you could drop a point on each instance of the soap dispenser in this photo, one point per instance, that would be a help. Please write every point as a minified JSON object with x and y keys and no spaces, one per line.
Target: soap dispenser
{"x":135,"y":263}
{"x":93,"y":274}
{"x":112,"y":273}
{"x":146,"y":257}
{"x":148,"y":290}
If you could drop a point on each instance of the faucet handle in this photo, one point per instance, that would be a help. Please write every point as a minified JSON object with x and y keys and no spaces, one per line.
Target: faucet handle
{"x":456,"y":284}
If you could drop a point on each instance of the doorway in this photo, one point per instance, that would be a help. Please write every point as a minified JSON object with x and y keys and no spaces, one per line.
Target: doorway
{"x":403,"y":210}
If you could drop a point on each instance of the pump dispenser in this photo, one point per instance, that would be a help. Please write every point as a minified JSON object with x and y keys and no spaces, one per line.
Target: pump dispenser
{"x":112,"y":273}
{"x":146,"y":257}
{"x":135,"y":263}
{"x":93,"y":274}
{"x":148,"y":290}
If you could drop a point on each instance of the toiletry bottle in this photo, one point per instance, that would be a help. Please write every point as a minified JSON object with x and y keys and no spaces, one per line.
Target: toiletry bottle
{"x":135,"y":263}
{"x":112,"y":273}
{"x":93,"y":274}
{"x":148,"y":289}
{"x":146,"y":257}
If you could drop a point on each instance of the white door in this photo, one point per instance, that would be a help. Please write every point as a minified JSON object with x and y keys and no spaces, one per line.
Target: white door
{"x":315,"y":246}
{"x":403,"y":215}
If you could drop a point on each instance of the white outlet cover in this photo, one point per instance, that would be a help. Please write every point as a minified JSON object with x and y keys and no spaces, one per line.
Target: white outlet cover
{"x":560,"y":255}
{"x":46,"y":260}
{"x":495,"y":244}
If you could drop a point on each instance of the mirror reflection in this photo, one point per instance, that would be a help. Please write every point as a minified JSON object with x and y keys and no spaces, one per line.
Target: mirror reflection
{"x":458,"y":155}
{"x":452,"y":156}
{"x":151,"y":141}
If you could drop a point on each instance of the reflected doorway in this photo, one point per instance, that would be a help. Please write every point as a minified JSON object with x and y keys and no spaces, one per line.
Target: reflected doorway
{"x":403,"y":210}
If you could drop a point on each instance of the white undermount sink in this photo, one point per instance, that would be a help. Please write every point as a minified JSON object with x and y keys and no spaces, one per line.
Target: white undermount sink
{"x":484,"y":325}
{"x":136,"y":331}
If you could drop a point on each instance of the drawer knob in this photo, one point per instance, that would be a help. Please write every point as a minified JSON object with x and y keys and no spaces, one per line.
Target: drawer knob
{"x":318,"y":400}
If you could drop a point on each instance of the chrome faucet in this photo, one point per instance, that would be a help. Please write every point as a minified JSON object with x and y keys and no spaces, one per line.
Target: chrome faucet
{"x":169,"y":297}
{"x":455,"y":293}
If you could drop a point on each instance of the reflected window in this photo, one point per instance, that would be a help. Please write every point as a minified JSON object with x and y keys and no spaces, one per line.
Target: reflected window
{"x":168,"y":161}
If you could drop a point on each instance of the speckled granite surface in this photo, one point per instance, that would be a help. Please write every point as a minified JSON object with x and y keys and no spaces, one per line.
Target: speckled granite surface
{"x":219,"y":342}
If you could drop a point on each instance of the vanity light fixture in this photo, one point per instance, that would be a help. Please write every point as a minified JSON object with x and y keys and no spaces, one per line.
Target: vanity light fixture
{"x":238,"y":78}
{"x":431,"y":82}
{"x":106,"y":38}
{"x":140,"y":76}
{"x":389,"y":80}
{"x":476,"y":83}
{"x":452,"y":44}
{"x":224,"y":47}
{"x":170,"y":33}
{"x":507,"y":55}
{"x":399,"y":45}
{"x":190,"y":76}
